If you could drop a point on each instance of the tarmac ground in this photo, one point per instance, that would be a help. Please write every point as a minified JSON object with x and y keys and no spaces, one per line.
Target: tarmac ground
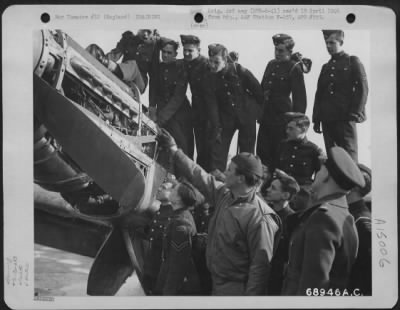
{"x":60,"y":273}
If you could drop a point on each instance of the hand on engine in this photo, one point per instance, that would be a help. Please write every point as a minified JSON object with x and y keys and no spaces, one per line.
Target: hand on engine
{"x":165,"y":140}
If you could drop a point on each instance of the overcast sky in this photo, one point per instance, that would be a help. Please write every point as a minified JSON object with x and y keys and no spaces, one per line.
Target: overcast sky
{"x":255,"y":49}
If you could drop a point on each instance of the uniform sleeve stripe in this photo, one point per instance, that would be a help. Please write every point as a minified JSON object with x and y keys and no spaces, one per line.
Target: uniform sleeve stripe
{"x":179,"y":247}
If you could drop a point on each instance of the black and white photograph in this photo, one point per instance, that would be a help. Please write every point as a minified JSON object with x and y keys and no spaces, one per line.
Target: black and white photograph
{"x":171,"y":153}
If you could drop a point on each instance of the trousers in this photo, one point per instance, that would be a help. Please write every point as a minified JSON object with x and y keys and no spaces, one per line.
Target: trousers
{"x":246,"y":141}
{"x":269,"y":137}
{"x":228,"y":288}
{"x":343,"y":134}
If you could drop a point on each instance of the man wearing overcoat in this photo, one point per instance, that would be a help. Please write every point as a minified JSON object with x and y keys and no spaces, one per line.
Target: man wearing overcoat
{"x":324,"y":241}
{"x":243,"y":231}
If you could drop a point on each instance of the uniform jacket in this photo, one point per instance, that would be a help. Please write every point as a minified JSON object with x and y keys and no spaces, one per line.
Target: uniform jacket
{"x":169,"y":92}
{"x":153,"y":257}
{"x":280,"y":80}
{"x":280,"y":258}
{"x":236,"y":91}
{"x":243,"y":232}
{"x":300,"y":159}
{"x":197,"y":71}
{"x":342,"y":89}
{"x":201,"y":215}
{"x":178,"y":275}
{"x":322,"y":249}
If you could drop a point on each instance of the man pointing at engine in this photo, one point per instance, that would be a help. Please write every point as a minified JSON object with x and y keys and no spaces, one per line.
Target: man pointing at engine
{"x":243,"y":231}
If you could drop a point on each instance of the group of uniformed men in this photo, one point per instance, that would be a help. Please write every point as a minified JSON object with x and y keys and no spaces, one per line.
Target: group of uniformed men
{"x":305,"y":239}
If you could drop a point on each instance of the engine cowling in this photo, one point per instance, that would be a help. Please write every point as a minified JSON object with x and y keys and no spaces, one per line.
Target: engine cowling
{"x":95,"y":146}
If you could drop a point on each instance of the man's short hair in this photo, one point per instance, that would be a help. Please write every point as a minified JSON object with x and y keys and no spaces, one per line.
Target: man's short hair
{"x":288,"y":183}
{"x":96,"y":51}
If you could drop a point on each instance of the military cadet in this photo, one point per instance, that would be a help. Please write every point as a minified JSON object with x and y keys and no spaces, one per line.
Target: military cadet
{"x":323,"y":244}
{"x":282,"y":190}
{"x":340,"y":97}
{"x":298,"y":156}
{"x":237,"y":94}
{"x":169,"y":268}
{"x":361,"y":274}
{"x":169,"y":106}
{"x":243,"y":231}
{"x":201,"y":215}
{"x":140,"y":47}
{"x":198,"y":71}
{"x":283,"y":77}
{"x":155,"y":231}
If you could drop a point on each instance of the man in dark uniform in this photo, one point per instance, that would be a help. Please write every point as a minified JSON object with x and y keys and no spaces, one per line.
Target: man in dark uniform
{"x":323,"y":244}
{"x":169,"y":268}
{"x":361,"y":274}
{"x":243,"y":230}
{"x":169,"y":106}
{"x":298,"y":156}
{"x":283,"y":77}
{"x":341,"y":96}
{"x":237,"y":94}
{"x":282,"y":190}
{"x":198,"y":71}
{"x":140,"y":47}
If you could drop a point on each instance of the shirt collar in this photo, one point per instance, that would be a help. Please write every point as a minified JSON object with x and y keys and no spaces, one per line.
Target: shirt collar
{"x":338,"y":55}
{"x":245,"y":198}
{"x":335,"y":199}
